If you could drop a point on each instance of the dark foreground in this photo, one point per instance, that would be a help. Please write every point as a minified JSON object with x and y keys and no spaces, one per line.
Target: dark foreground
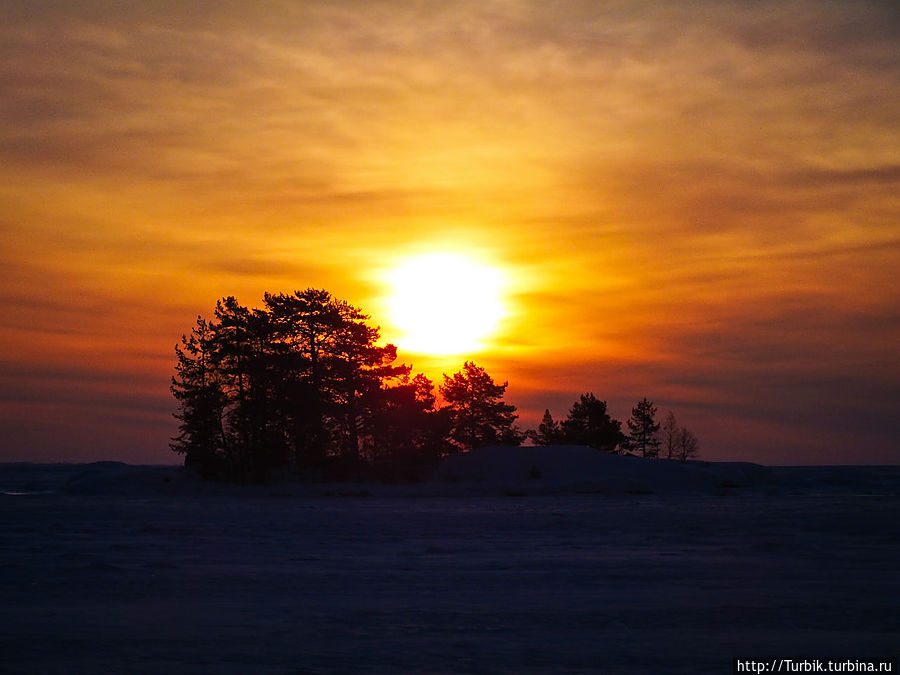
{"x":542,"y":584}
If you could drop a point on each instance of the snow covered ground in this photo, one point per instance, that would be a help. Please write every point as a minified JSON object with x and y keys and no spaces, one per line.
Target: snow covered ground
{"x":643,"y":568}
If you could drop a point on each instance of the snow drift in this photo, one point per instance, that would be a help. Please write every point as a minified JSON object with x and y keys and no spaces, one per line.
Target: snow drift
{"x":572,"y":468}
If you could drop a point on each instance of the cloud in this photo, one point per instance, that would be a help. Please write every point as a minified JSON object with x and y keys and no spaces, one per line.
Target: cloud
{"x":874,"y":176}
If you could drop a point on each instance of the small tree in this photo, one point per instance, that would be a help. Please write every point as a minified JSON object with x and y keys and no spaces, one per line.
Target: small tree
{"x":589,"y":423}
{"x":687,"y":444}
{"x":669,"y":430}
{"x":201,"y":436}
{"x":479,"y":415}
{"x":549,"y":431}
{"x":643,"y":429}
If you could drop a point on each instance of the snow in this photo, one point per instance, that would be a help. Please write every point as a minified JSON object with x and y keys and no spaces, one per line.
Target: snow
{"x":564,"y":468}
{"x":590,"y":563}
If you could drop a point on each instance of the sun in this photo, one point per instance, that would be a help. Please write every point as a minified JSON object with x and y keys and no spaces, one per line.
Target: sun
{"x":444,"y":303}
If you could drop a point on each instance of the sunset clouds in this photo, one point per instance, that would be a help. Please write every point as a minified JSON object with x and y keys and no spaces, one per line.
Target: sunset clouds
{"x":697,"y":201}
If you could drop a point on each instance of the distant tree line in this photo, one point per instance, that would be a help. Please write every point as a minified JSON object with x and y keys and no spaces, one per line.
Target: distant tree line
{"x":589,"y":423}
{"x":302,"y":384}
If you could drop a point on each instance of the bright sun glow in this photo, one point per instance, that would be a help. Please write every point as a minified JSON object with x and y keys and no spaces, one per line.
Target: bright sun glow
{"x":444,"y":303}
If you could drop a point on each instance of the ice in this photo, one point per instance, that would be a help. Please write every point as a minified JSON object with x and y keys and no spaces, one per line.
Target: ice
{"x":117,"y":569}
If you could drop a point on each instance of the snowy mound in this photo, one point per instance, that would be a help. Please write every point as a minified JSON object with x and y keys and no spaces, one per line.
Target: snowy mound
{"x":572,"y":468}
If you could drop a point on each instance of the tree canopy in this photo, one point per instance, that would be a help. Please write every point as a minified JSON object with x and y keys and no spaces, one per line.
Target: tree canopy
{"x":293,"y":383}
{"x":589,"y":423}
{"x":302,"y":382}
{"x":479,"y":415}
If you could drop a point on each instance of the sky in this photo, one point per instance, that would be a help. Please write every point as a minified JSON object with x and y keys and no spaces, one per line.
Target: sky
{"x":696,"y":202}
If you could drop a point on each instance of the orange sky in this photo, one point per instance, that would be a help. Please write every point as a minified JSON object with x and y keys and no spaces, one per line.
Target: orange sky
{"x":694,"y":202}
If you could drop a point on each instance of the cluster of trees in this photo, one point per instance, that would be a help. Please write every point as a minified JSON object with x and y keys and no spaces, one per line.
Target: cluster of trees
{"x":589,"y":423}
{"x":302,"y":383}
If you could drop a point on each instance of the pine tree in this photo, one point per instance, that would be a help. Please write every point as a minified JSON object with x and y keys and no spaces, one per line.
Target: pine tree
{"x":334,"y":366}
{"x":479,"y":415}
{"x":306,"y":324}
{"x":549,"y":431}
{"x":201,"y":438}
{"x":243,"y":359}
{"x":644,"y":428}
{"x":589,"y":423}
